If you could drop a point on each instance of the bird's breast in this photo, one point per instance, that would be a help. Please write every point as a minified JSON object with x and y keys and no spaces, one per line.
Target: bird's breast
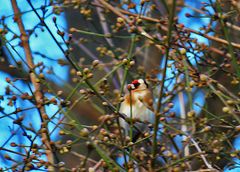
{"x":139,"y":111}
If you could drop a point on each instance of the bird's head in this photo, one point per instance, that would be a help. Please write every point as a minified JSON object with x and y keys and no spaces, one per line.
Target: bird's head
{"x":138,"y":84}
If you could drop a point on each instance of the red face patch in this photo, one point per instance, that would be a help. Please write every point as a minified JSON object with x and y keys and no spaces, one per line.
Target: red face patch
{"x":135,"y":82}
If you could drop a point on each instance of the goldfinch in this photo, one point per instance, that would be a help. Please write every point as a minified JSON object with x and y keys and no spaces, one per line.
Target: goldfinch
{"x":141,"y":100}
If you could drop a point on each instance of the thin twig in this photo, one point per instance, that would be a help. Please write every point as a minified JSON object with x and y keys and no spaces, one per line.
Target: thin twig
{"x":183,"y":116}
{"x":159,"y":104}
{"x":121,"y":13}
{"x":38,"y":95}
{"x":202,"y":156}
{"x":96,"y":167}
{"x":104,"y":24}
{"x":83,"y":157}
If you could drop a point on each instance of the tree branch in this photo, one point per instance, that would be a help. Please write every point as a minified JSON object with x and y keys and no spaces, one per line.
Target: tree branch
{"x":38,"y":94}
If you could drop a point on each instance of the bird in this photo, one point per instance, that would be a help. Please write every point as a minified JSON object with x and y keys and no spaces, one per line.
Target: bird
{"x":138,"y":103}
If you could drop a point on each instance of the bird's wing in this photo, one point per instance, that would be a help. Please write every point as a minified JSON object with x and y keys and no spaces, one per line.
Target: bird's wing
{"x":147,"y":100}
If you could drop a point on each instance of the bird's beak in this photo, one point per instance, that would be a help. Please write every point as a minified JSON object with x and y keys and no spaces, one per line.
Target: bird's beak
{"x":130,"y":87}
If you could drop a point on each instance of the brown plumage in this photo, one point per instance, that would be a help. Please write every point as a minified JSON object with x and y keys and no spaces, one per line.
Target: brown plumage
{"x":142,"y":103}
